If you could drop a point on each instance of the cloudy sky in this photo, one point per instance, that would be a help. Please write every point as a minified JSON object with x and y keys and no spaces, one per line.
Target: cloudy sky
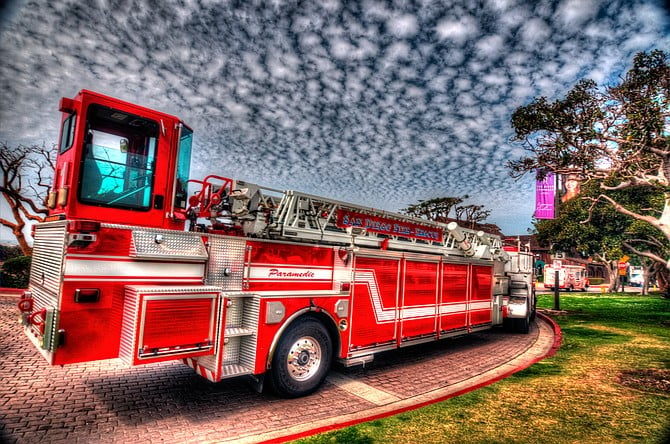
{"x":376,"y":102}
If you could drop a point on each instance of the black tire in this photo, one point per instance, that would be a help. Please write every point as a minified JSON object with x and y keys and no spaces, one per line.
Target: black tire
{"x":301,"y":360}
{"x":533,"y":308}
{"x":523,"y":325}
{"x":509,"y":325}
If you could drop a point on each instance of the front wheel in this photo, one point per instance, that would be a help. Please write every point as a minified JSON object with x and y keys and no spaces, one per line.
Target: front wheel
{"x":302,"y":359}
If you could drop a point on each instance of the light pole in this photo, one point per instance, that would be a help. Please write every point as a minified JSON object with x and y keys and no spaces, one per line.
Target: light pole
{"x":557,"y":302}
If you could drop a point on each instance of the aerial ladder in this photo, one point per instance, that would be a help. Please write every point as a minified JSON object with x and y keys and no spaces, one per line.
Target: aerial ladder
{"x":227,"y":206}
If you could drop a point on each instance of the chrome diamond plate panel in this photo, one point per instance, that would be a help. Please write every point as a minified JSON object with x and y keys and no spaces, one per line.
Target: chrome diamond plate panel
{"x":170,"y":245}
{"x":225,"y":268}
{"x":250,"y":319}
{"x":231,"y":351}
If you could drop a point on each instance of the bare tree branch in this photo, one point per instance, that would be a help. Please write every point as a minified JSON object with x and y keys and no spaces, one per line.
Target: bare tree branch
{"x":26,"y":174}
{"x":650,"y":255}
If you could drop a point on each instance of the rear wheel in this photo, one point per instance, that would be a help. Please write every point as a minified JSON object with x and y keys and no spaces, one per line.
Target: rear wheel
{"x":523,"y":325}
{"x":533,"y":306}
{"x":302,"y":359}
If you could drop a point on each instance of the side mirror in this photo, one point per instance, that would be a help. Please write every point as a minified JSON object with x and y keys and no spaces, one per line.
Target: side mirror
{"x":123,"y":145}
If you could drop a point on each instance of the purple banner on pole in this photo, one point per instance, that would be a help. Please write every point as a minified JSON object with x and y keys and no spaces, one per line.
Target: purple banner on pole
{"x":545,"y":192}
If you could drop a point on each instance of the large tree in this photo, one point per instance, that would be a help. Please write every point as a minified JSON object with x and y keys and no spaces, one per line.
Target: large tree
{"x":27,"y":173}
{"x":616,"y":136}
{"x":472,"y":214}
{"x":652,"y":250}
{"x":436,"y":209}
{"x":608,"y":235}
{"x":439,"y":210}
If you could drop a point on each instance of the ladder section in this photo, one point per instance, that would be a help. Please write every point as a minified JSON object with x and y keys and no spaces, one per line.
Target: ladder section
{"x":240,"y":334}
{"x":306,"y":217}
{"x":245,"y":209}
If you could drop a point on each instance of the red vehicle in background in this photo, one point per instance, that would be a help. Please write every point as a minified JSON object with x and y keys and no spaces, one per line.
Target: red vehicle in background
{"x":570,"y":277}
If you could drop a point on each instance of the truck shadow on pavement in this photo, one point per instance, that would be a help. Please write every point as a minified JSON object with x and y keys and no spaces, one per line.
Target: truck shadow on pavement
{"x":144,"y":395}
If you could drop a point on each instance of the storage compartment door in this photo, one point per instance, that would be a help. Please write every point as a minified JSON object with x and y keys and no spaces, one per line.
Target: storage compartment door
{"x":419,"y":308}
{"x":164,"y":323}
{"x":374,"y":310}
{"x":454,"y":301}
{"x":481,"y":295}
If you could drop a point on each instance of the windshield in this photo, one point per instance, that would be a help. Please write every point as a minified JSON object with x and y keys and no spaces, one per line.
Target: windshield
{"x":119,"y":159}
{"x":183,"y":167}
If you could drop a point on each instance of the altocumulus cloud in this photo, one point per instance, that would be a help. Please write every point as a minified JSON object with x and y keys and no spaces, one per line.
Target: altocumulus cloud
{"x":377,"y":102}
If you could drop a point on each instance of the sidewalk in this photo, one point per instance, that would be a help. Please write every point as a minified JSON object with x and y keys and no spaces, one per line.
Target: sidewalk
{"x":108,"y":402}
{"x":601,"y":288}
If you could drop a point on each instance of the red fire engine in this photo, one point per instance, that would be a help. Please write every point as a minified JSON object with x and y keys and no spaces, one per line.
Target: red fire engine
{"x":238,"y":279}
{"x":570,"y":277}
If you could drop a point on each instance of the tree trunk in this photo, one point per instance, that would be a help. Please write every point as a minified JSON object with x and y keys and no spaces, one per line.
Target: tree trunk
{"x":17,"y":227}
{"x":613,"y":272}
{"x":25,"y":247}
{"x":644,"y":291}
{"x":664,"y":220}
{"x":662,"y":280}
{"x":647,"y":267}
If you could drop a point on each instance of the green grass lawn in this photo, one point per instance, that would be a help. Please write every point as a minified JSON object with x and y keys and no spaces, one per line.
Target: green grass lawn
{"x":608,"y":383}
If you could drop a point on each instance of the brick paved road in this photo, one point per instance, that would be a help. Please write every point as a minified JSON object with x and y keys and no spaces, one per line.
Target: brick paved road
{"x":107,"y":402}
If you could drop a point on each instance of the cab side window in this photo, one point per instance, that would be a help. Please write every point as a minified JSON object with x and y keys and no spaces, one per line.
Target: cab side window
{"x":67,"y":133}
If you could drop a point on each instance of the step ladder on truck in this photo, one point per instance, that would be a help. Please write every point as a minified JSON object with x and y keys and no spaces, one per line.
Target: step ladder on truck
{"x":239,"y":279}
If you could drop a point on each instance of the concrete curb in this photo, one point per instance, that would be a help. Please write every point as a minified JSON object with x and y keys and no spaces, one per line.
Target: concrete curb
{"x":6,"y":291}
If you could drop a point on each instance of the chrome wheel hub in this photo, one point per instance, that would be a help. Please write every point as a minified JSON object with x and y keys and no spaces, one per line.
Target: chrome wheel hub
{"x":304,"y":358}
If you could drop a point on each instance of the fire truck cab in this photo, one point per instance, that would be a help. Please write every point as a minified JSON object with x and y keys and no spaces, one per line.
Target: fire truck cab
{"x":120,"y":163}
{"x":240,"y":279}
